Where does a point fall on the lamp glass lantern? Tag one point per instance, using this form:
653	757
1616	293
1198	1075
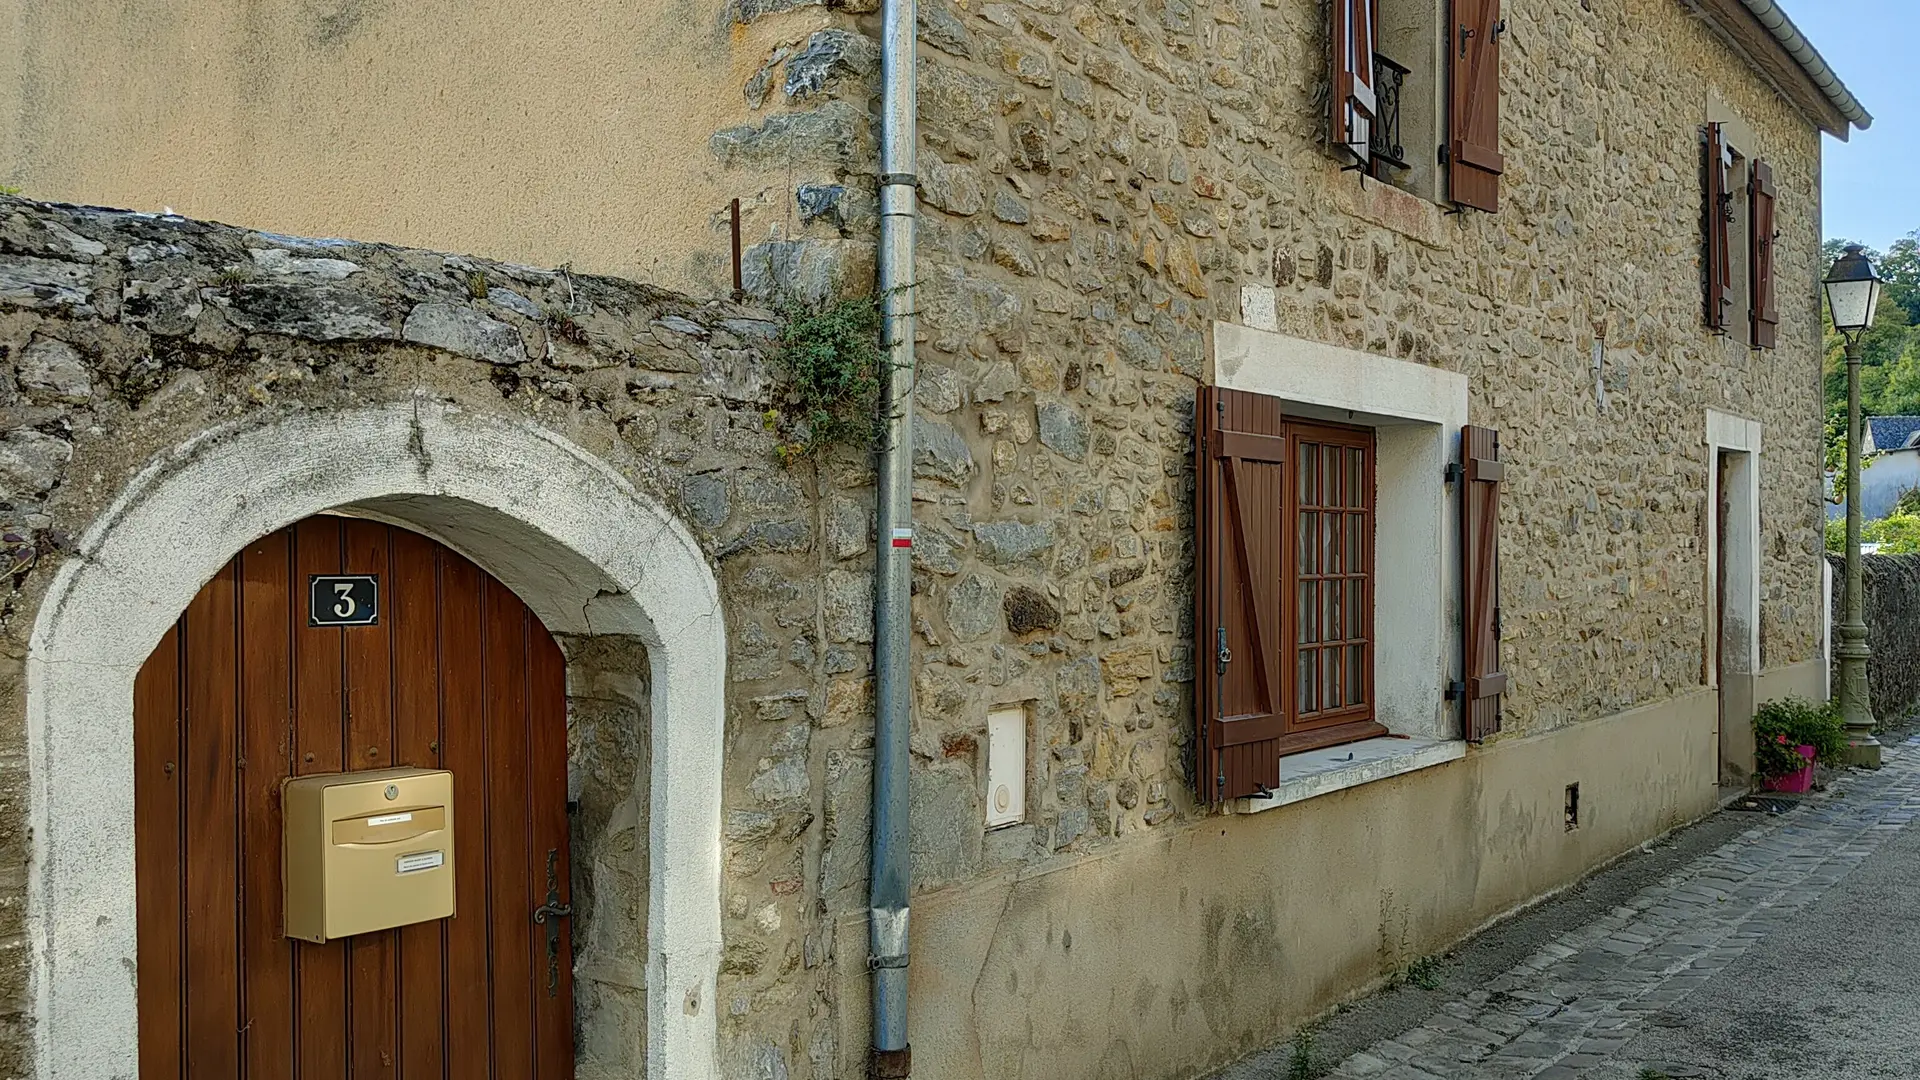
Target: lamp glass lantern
1853	292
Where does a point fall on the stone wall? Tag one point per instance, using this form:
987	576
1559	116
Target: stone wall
1100	181
1890	591
123	336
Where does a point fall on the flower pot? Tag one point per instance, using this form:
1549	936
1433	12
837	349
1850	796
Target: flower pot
1797	782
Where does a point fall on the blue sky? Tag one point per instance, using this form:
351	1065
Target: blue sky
1872	182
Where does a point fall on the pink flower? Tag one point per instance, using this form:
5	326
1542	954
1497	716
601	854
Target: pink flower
1781	739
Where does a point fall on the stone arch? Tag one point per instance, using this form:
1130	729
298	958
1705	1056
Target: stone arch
587	552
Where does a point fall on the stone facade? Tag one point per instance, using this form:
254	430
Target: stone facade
1100	182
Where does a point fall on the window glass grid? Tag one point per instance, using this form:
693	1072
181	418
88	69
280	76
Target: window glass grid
1332	580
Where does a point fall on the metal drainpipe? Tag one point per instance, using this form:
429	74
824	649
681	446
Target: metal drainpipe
893	555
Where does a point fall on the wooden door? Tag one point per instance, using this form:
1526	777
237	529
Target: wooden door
455	673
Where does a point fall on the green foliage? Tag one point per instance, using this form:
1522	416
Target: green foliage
477	284
229	278
1890	349
1783	725
1303	1063
1897	534
1425	973
1651	1073
831	357
9	189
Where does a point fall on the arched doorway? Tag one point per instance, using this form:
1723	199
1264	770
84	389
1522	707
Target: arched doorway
590	555
437	666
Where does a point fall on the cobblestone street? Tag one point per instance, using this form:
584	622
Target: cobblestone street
1770	948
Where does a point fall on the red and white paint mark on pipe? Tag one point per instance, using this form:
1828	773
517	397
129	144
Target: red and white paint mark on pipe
903	538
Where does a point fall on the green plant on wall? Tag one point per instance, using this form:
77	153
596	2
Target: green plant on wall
830	360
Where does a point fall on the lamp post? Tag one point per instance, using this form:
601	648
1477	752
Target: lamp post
1853	292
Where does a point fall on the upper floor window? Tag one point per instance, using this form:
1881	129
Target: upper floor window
1416	95
1738	205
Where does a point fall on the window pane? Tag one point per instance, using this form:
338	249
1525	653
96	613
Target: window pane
1304	546
1356	673
1330	464
1304	680
1303	613
1329	561
1329	685
1354	474
1356	606
1330	611
1356	532
1309	470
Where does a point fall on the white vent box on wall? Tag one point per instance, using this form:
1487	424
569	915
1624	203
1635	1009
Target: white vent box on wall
1006	766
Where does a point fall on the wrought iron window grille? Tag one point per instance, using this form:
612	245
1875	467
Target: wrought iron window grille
1388	78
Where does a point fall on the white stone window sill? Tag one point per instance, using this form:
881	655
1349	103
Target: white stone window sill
1337	768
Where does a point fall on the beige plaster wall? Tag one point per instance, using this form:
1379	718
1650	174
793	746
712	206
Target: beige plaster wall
542	134
1158	959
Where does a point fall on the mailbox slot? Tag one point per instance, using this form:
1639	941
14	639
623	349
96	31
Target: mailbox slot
366	851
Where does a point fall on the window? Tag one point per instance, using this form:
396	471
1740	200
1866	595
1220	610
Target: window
1330	568
1285	571
1738	202
1415	95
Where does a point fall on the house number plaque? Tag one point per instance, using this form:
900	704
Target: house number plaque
344	600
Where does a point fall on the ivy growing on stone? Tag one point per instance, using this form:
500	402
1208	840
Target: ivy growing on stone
830	359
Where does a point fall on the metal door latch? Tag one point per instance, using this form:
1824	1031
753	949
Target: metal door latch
549	915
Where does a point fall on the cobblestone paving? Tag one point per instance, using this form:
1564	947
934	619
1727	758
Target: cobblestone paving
1569	1008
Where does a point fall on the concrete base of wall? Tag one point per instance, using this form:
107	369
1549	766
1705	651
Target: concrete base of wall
1181	952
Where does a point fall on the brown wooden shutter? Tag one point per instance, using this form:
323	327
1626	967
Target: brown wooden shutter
1482	471
1240	482
1719	218
1354	104
1474	163
1760	234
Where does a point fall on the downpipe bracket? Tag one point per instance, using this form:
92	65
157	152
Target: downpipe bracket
891	1064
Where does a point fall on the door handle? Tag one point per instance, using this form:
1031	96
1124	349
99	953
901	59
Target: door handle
549	915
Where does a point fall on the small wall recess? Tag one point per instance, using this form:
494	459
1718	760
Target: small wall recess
1006	766
1573	806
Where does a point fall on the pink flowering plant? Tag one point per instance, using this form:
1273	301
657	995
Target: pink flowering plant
1782	726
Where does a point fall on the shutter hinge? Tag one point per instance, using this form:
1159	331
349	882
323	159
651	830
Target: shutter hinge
1497	635
1444	156
1456	690
1454	472
1222	655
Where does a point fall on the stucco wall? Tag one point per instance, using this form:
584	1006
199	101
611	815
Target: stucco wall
1156	960
544	135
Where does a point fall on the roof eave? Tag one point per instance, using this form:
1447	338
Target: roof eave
1762	34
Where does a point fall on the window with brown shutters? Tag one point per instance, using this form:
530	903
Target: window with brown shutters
1474	162
1718	213
1283	590
1764	317
1484	681
1355	101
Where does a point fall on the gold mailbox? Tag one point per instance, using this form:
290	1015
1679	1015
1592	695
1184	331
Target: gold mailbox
366	851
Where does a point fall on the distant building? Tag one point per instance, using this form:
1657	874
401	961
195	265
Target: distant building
1890	467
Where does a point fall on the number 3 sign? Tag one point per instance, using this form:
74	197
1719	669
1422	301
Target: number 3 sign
343	600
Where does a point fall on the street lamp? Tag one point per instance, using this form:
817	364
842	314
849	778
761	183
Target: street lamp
1853	292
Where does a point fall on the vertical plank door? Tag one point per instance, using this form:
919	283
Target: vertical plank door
243	693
